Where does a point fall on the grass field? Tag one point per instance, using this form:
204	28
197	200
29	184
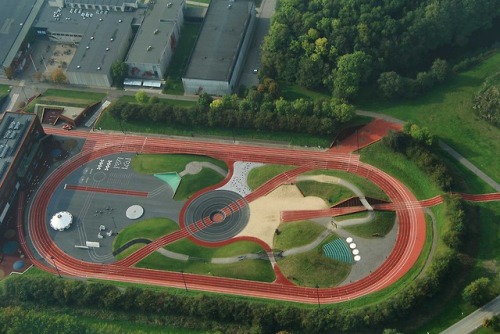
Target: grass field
162	163
367	187
170	102
190	184
296	234
180	58
402	169
258	270
313	269
69	98
331	193
149	228
379	227
260	175
447	112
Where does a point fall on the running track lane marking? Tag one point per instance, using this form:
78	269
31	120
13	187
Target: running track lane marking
107	190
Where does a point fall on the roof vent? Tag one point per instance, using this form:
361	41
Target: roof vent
92	37
149	48
98	68
107	49
87	47
169	5
111	39
120	21
100	19
156	31
78	66
229	6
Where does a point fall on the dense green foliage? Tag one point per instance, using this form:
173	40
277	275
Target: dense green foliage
478	292
259	110
413	146
338	45
487	101
119	71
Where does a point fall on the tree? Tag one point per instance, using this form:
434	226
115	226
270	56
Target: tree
478	292
119	72
58	76
9	72
352	70
391	85
141	97
487	101
421	135
205	100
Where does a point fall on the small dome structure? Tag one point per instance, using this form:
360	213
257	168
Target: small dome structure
61	221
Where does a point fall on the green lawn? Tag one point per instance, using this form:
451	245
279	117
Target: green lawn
4	90
402	169
331	193
447	112
152	229
259	270
382	224
367	187
64	97
162	163
296	234
293	92
260	175
180	58
313	268
191	184
170	102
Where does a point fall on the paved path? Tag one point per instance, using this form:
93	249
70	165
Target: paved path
475	320
444	146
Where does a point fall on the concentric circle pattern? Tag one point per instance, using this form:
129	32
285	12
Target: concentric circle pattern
216	216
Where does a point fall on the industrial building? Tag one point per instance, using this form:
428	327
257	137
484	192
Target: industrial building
23	147
156	39
217	59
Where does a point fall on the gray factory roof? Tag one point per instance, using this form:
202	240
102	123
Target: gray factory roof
13	128
15	20
154	34
101	44
216	50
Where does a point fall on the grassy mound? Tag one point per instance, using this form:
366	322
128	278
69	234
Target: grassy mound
296	234
260	175
379	227
313	268
331	193
149	228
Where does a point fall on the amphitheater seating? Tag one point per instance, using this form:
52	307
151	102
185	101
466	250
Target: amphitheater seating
338	250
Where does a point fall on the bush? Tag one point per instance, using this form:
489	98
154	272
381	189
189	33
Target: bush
478	292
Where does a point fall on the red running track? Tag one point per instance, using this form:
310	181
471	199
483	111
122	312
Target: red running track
107	190
409	241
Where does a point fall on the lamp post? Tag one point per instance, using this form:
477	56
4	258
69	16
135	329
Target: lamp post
317	294
184	280
57	269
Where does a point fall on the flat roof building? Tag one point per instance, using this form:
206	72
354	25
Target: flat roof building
101	38
15	22
221	48
156	39
22	152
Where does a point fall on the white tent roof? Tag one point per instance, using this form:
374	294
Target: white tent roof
61	221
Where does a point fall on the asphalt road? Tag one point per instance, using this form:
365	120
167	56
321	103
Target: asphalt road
475	320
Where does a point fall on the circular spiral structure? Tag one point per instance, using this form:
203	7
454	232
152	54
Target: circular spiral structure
217	216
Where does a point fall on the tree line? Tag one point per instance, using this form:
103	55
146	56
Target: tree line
259	110
340	45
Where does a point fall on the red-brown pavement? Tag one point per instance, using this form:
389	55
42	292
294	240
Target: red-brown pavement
409	243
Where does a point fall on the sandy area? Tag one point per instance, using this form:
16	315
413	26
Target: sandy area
265	211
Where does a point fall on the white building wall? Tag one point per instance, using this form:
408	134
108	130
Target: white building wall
89	79
212	87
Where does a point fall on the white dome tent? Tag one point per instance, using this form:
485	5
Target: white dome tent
61	221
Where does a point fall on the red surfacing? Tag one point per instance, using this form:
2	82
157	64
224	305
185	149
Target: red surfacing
409	243
107	190
368	134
